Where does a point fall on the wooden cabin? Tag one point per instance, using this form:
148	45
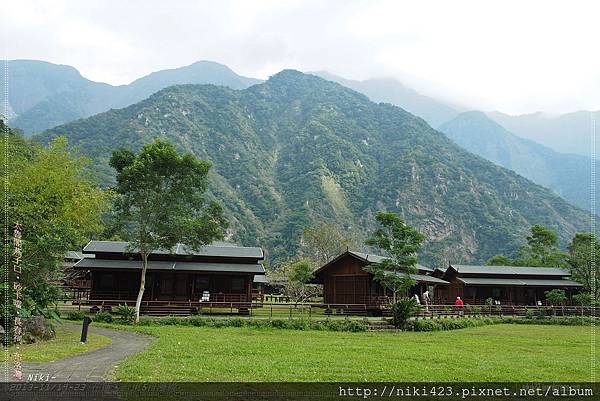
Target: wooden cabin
346	282
508	285
216	275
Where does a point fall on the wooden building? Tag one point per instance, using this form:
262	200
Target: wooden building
346	282
218	274
505	284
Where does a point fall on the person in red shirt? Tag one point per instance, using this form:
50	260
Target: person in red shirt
459	305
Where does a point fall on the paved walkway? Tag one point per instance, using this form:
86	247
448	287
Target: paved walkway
94	366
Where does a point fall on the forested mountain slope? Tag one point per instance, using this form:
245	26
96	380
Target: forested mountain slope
298	149
568	175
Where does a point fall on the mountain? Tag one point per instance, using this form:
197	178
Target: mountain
565	133
42	95
388	90
568	175
298	149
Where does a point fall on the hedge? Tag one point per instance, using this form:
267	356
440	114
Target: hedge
292	324
465	322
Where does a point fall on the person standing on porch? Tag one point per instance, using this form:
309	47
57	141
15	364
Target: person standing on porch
426	300
459	305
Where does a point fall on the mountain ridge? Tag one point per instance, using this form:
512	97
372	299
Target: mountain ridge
297	150
43	94
569	175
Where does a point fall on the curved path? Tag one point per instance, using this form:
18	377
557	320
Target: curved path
95	366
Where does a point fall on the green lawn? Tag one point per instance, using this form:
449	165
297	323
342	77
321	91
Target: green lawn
490	353
65	344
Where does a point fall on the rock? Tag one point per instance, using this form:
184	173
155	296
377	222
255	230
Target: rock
37	328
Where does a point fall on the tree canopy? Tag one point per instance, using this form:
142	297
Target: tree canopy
161	201
400	243
541	250
59	208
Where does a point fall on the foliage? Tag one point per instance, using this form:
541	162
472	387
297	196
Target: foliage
126	313
323	242
583	299
103	317
466	322
499	260
541	251
297	150
400	243
290	324
296	277
161	201
402	311
59	208
75	315
555	296
583	267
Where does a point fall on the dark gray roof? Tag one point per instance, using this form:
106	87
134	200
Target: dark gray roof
519	282
218	249
511	270
166	265
77	255
378	259
422	278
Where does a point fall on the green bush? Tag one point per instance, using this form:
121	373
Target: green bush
402	311
75	315
462	323
290	324
583	299
125	313
103	317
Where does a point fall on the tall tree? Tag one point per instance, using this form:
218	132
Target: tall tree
541	250
582	250
161	202
296	277
324	242
400	243
59	208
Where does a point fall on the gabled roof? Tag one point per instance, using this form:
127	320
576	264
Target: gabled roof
367	258
378	259
510	270
217	249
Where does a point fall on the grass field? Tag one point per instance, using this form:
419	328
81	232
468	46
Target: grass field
65	344
490	353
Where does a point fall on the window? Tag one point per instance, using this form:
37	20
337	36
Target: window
107	282
238	284
201	284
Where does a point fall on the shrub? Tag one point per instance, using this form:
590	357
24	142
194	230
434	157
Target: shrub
555	296
403	310
125	313
583	299
453	324
489	301
75	315
103	317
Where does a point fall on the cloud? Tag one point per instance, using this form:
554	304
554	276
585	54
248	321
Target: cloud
509	55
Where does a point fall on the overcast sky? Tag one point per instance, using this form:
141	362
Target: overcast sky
517	57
